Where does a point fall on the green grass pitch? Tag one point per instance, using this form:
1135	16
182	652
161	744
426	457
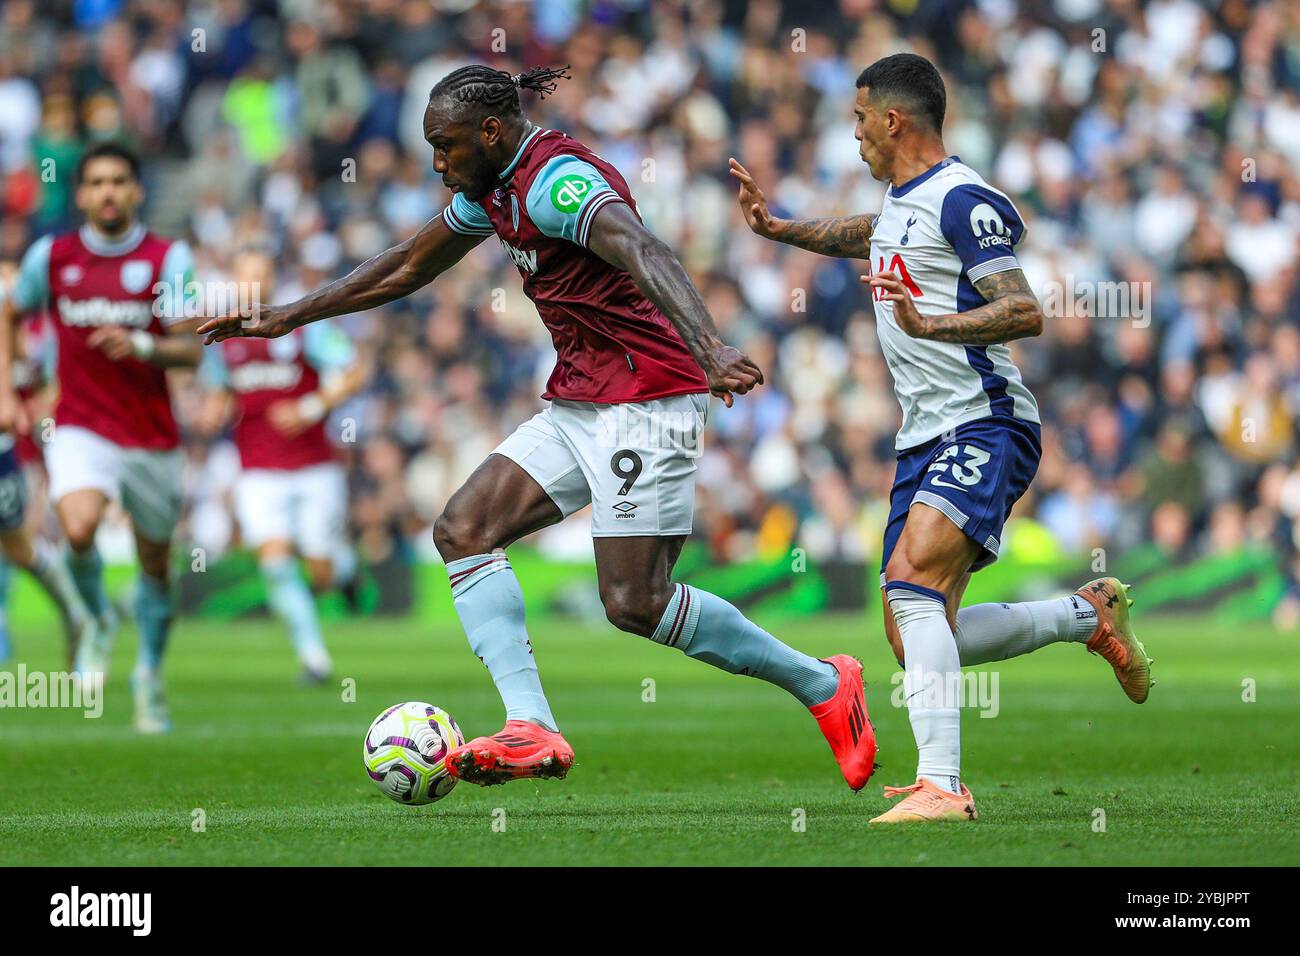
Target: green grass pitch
715	770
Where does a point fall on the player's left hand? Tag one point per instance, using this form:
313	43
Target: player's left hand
731	372
905	314
287	417
113	340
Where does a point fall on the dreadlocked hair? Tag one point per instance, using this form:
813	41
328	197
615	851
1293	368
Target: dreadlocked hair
496	91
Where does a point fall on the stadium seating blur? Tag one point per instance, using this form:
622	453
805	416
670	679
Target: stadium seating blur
1148	144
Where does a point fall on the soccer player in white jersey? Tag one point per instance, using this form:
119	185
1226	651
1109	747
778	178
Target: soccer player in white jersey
949	294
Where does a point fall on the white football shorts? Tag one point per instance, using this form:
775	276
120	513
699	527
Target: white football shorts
306	506
633	463
146	482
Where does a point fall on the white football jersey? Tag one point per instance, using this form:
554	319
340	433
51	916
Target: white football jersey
940	233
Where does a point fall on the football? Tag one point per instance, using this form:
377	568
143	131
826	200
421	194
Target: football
405	752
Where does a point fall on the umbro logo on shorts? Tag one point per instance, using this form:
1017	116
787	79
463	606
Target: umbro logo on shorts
625	509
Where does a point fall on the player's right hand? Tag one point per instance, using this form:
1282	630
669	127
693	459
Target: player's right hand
753	203
731	372
252	321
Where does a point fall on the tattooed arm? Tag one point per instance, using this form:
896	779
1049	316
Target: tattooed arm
846	237
1012	311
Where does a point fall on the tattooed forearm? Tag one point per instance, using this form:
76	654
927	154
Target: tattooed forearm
848	237
1012	312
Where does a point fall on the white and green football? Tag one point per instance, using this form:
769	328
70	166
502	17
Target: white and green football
406	749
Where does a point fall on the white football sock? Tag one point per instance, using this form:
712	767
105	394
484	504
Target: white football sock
932	681
995	632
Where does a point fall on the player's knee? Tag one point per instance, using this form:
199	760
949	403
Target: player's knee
154	563
633	607
913	568
79	531
320	575
458	535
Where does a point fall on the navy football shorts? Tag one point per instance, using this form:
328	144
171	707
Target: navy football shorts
973	474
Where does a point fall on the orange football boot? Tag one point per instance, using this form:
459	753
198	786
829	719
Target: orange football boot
927	803
845	724
1114	639
518	750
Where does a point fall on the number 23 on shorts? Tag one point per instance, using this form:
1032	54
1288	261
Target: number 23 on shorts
963	474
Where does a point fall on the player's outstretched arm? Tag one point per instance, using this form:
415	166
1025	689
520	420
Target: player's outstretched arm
1012	311
618	237
392	274
845	237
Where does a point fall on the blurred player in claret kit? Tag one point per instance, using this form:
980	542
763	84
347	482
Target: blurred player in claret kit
291	497
116	295
23	546
949	294
638	356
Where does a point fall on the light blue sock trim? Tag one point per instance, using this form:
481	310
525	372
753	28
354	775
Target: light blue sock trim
290	598
153	617
491	609
707	628
88	572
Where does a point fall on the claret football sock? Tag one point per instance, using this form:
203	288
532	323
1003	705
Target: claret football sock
290	598
153	618
931	681
88	571
491	608
995	632
707	628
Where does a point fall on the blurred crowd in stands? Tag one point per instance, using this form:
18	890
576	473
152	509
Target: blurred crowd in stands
1151	148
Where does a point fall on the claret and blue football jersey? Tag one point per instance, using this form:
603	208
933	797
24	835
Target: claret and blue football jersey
612	344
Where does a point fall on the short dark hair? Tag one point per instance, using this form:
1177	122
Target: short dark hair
495	91
911	79
112	150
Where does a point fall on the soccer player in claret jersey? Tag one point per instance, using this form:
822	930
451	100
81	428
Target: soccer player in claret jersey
949	294
117	295
638	356
291	497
